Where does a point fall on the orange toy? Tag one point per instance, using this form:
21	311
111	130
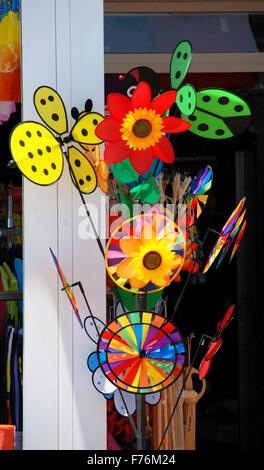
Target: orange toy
7	436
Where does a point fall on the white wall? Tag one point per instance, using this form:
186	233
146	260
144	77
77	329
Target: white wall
62	46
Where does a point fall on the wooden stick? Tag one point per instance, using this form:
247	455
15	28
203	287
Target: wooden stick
172	391
165	418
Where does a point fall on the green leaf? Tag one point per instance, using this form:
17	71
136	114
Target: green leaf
148	191
219	114
124	172
186	99
180	63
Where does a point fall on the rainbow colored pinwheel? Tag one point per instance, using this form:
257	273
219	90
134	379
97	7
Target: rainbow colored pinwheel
225	234
138	352
66	287
238	240
197	198
145	253
232	238
215	343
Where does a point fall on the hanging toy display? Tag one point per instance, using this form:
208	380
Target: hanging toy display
139	353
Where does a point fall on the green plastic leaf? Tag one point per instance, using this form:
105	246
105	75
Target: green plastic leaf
128	299
124	199
148	191
186	99
219	114
180	63
124	172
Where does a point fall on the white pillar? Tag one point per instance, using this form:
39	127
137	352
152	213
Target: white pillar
62	46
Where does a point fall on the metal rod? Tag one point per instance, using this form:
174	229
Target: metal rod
141	304
99	243
180	298
131	421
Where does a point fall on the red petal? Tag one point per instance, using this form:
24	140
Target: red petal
179	125
141	160
161	103
116	152
163	150
118	105
109	130
141	97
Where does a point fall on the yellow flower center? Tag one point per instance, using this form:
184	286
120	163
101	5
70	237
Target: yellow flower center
152	260
141	128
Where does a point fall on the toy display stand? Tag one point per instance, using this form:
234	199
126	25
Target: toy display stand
181	434
191	397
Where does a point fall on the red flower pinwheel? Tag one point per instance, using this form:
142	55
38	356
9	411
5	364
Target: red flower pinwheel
135	128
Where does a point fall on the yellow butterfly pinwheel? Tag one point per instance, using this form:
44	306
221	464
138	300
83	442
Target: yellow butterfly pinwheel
39	153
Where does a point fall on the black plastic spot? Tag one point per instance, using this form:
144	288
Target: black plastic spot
84	132
45	171
206	98
189	106
203	127
239	108
51	98
223	100
48	148
42	101
39	134
189	94
28	133
77	163
192	117
88	178
33	168
53	166
181	98
95	122
178	74
178	55
22	143
81	182
219	132
185	56
39	151
55	117
30	154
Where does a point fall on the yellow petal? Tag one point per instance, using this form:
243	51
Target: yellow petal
160	281
170	239
130	245
125	269
136	283
177	261
147	232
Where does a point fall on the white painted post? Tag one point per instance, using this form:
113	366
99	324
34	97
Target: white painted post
62	46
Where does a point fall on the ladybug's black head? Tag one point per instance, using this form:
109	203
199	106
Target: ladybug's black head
88	108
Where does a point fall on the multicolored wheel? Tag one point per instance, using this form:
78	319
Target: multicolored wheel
141	352
145	253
